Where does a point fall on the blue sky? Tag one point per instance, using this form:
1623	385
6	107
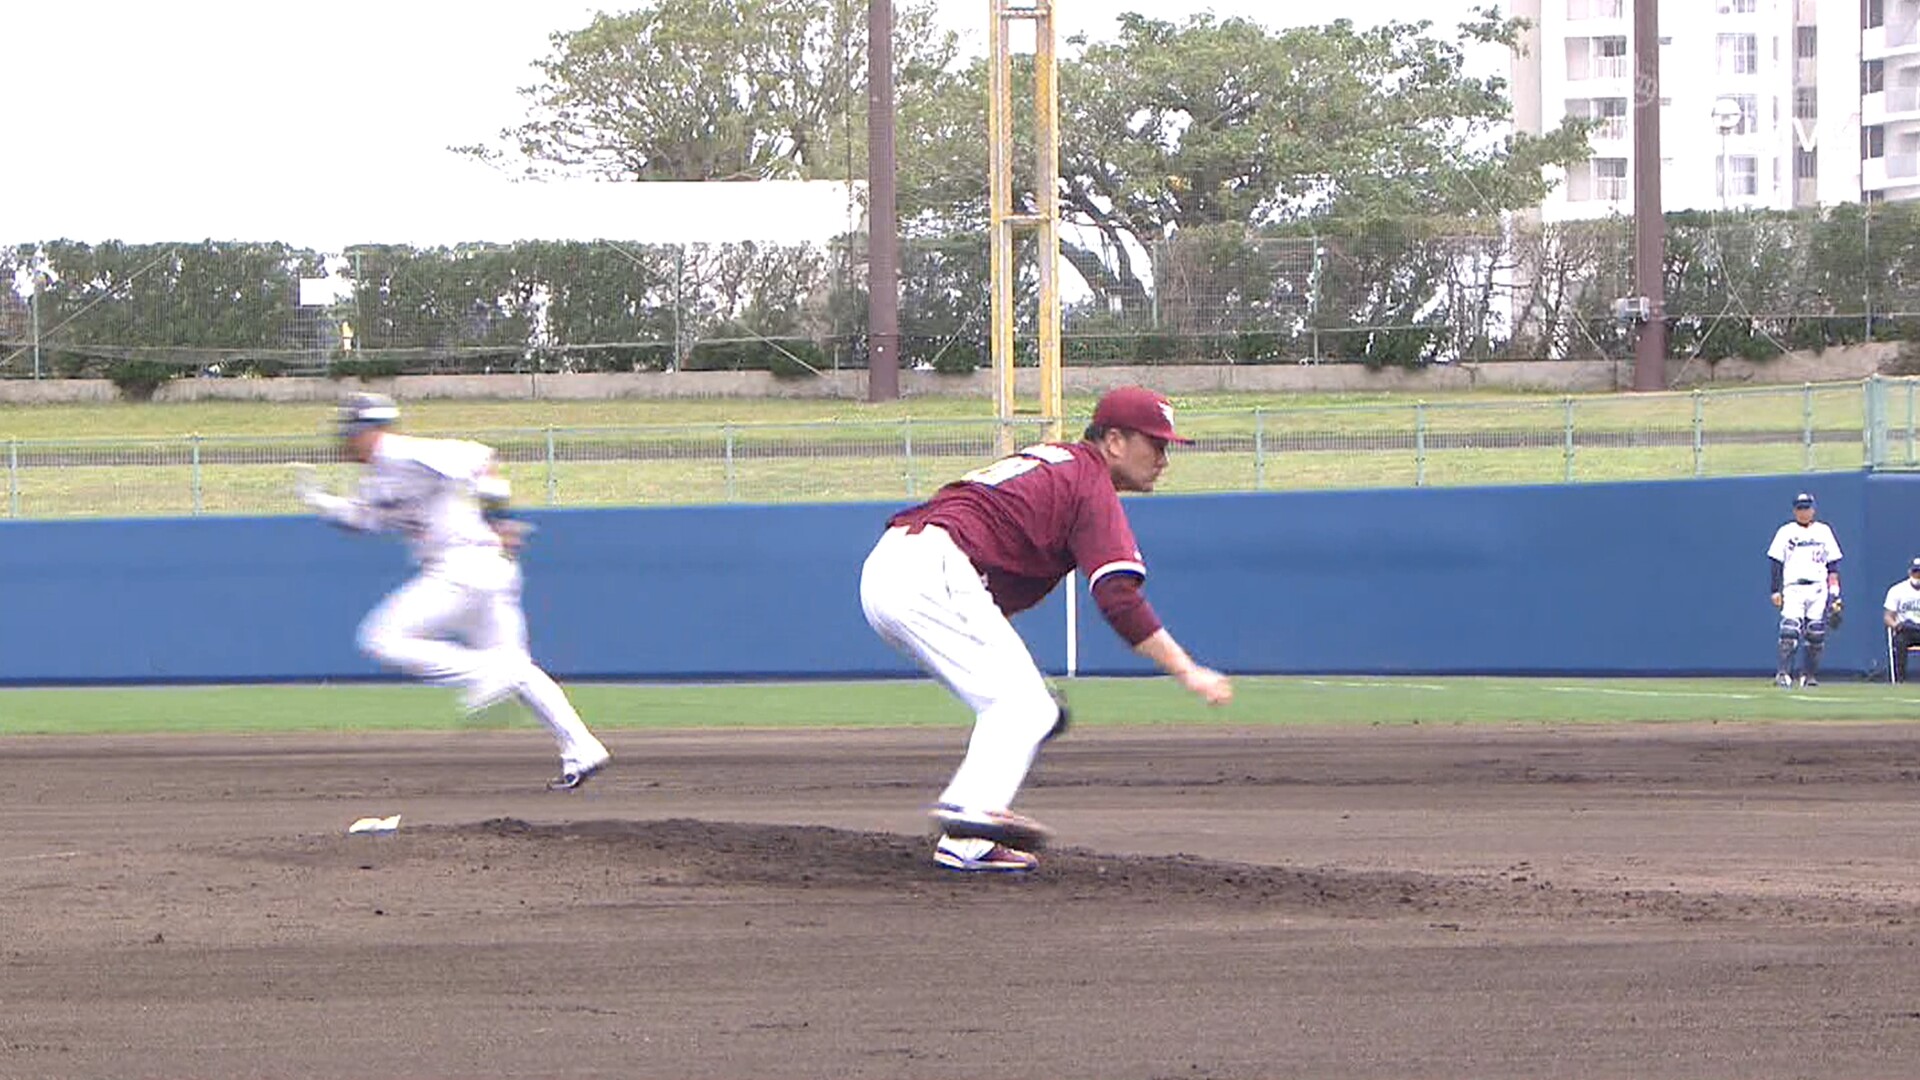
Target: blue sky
270	119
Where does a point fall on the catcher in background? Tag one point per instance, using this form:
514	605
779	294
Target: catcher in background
1805	562
459	621
1901	613
946	574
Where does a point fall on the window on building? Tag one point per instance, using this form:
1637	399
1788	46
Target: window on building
1873	141
1873	77
1806	103
1806	163
1874	196
1806	42
1612	116
1610	56
1749	115
1739	54
1872	13
1740	175
1610	179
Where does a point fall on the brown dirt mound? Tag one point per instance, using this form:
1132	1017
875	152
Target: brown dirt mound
1651	901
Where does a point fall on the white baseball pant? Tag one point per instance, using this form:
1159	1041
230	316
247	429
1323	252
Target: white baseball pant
924	597
459	623
1808	603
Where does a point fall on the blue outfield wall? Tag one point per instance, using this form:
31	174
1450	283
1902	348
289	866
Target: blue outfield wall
1641	578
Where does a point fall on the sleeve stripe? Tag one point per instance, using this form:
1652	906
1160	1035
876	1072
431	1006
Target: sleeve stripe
1118	567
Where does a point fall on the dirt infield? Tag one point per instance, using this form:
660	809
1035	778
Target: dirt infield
1645	900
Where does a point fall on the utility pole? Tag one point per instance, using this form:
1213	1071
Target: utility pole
33	316
1649	216
883	223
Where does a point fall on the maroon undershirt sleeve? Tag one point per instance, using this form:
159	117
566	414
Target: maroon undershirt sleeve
1125	607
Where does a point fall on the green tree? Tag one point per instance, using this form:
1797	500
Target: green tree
715	90
1173	127
1201	128
207	295
466	307
608	306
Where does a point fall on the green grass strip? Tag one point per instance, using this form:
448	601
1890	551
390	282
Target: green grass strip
1305	701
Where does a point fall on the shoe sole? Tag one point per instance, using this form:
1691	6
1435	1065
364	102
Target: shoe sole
574	780
1013	830
971	866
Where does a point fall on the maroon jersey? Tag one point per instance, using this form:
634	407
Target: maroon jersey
1027	519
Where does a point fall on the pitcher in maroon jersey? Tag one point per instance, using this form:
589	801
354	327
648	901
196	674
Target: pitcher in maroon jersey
945	576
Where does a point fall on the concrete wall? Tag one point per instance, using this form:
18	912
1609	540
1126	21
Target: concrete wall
1549	376
1660	578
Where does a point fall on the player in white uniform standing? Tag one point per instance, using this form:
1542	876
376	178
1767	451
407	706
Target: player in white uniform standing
459	621
1805	557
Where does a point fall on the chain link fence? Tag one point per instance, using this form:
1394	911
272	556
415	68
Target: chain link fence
1760	431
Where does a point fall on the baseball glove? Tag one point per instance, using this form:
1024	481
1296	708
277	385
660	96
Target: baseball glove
1834	610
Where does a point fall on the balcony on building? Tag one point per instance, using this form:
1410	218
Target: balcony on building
1601	57
1898	105
1895	171
1892	30
1608	115
1900	102
1596	10
1601	180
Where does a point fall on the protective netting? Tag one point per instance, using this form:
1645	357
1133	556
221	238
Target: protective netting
1382	292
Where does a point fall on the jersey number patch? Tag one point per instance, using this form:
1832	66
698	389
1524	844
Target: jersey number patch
1019	464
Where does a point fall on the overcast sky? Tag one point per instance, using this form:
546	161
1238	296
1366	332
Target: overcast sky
143	120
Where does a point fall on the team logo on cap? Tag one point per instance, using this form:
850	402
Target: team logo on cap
1166	410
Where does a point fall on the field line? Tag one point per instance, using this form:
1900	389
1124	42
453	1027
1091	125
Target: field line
1375	684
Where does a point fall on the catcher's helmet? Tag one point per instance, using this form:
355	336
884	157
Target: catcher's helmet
358	412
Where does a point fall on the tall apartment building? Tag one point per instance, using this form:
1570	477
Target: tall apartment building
1890	99
1762	101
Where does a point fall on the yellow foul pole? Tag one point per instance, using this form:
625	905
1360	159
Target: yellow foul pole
1040	215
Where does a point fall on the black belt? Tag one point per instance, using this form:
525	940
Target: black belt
1803	581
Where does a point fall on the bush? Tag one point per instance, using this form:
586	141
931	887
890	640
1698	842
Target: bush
1407	347
138	379
1265	347
962	357
255	367
1089	349
364	369
656	356
1155	348
736	348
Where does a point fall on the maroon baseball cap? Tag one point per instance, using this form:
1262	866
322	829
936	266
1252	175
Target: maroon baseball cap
1137	408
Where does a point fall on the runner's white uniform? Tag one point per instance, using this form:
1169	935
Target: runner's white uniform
459	621
1803	552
